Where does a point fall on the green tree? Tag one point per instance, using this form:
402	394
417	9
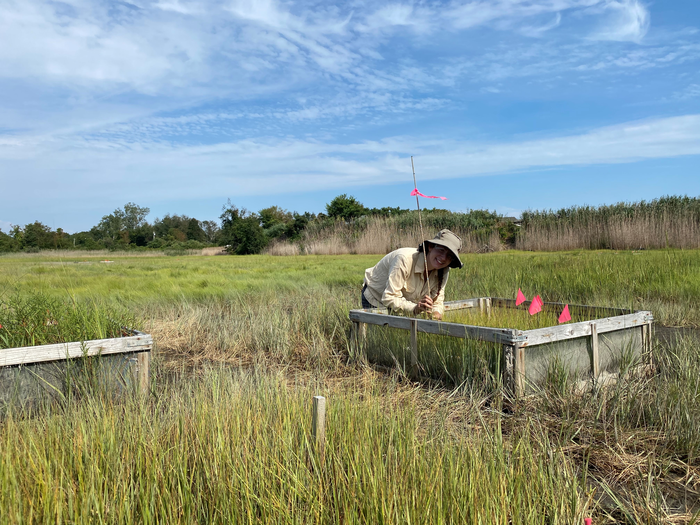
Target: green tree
345	207
298	225
110	226
274	215
86	240
241	231
8	243
39	236
211	231
121	226
171	227
195	231
134	216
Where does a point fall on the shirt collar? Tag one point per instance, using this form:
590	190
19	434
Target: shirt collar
420	263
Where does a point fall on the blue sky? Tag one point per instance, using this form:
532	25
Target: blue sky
178	105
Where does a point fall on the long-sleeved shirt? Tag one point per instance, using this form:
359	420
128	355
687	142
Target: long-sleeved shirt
398	282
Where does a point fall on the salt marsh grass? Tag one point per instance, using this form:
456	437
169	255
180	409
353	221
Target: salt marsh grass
516	318
232	446
38	319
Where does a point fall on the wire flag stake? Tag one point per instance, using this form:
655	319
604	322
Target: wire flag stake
420	222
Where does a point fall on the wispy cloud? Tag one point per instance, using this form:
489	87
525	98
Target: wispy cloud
625	20
274	166
152	47
689	92
186	98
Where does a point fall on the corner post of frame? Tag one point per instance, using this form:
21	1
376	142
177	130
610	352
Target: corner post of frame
514	369
595	354
358	337
647	357
414	347
144	365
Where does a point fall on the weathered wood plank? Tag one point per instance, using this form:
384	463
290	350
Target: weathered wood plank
583	329
509	368
414	346
61	351
519	370
465	303
575	309
594	351
144	362
429	326
318	427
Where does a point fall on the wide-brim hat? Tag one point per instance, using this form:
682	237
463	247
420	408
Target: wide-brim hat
450	241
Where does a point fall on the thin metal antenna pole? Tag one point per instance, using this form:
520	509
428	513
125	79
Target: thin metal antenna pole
420	222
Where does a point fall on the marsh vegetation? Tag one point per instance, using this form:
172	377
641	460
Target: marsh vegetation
243	343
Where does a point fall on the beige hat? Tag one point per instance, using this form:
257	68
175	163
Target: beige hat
452	242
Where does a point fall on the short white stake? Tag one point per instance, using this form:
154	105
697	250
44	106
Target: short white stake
318	426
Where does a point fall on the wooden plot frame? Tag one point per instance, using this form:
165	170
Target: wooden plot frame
138	344
517	344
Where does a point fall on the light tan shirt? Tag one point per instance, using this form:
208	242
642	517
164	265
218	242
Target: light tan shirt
398	282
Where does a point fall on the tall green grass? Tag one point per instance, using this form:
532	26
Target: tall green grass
664	281
39	319
228	448
516	318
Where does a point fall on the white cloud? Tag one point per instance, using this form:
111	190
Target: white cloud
192	48
539	31
162	171
624	20
5	226
690	92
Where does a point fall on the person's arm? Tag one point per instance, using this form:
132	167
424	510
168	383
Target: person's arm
393	297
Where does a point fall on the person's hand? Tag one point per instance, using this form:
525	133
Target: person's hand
437	316
425	305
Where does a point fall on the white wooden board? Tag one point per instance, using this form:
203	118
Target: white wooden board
39	354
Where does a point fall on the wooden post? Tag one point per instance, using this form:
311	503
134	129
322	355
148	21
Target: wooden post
488	307
414	347
646	344
482	305
519	370
509	368
144	361
358	337
318	427
595	357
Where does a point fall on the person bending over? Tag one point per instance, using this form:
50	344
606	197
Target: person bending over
398	281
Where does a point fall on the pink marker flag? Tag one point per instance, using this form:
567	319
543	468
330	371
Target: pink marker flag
520	299
536	305
565	315
416	192
588	521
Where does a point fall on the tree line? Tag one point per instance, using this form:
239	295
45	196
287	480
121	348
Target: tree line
239	230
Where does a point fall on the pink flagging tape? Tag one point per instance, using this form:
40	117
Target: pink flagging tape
536	305
565	315
520	299
416	192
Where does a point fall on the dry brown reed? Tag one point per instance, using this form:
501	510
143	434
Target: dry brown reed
617	233
282	248
380	235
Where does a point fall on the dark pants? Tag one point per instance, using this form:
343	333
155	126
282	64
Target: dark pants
365	302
